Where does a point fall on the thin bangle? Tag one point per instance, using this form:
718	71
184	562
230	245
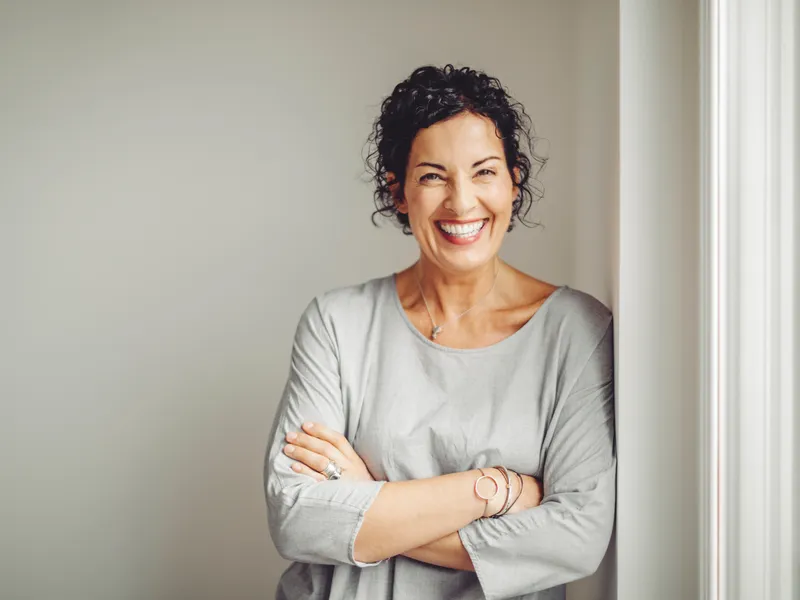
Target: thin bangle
503	470
521	487
508	502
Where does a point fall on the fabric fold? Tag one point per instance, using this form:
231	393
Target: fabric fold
566	536
313	521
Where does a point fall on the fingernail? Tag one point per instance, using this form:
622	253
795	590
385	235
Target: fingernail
291	436
308	425
296	466
289	449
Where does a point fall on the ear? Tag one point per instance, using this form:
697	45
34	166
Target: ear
397	192
515	179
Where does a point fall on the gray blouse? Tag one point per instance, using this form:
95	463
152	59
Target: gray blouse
540	402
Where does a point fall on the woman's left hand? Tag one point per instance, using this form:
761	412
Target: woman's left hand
316	445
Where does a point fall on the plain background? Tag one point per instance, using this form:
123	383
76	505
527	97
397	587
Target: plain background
176	182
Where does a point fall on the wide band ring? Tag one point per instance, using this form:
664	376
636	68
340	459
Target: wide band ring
332	470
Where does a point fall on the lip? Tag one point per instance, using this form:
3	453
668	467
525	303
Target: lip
457	222
461	241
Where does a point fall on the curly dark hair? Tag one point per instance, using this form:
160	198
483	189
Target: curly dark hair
432	94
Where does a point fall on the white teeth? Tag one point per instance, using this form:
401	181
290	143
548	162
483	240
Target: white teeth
462	230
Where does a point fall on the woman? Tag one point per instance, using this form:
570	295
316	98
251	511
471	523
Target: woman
446	431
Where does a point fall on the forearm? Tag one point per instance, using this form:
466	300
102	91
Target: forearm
450	552
446	552
408	514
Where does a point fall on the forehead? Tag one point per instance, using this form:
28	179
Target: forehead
464	138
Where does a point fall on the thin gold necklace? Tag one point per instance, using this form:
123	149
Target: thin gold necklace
437	329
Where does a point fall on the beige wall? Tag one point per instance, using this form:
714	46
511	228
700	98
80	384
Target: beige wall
176	181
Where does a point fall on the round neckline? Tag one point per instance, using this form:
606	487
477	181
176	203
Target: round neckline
392	281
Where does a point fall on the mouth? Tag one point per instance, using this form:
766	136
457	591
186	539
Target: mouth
461	232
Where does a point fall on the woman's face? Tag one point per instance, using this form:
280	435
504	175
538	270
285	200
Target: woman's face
458	192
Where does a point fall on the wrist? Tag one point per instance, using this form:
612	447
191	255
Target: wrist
496	504
487	491
492	490
512	490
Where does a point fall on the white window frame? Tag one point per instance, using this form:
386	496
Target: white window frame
749	303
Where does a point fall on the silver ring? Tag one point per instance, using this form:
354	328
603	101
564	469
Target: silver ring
332	470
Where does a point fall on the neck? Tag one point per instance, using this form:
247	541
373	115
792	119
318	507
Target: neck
449	294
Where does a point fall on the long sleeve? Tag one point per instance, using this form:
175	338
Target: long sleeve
312	521
566	537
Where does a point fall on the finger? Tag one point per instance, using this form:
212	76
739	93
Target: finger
309	442
336	439
308	458
304	470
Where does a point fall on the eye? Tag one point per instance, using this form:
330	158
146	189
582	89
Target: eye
429	175
483	172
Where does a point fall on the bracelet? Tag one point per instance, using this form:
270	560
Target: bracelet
507	503
478	494
521	486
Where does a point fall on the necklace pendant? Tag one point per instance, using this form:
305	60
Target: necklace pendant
437	329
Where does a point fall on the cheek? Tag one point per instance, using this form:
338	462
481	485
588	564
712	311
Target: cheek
424	203
500	203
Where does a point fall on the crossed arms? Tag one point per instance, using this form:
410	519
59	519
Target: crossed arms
436	520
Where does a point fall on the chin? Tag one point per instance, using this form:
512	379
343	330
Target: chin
465	262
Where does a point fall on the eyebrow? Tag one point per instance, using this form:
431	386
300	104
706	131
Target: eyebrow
441	168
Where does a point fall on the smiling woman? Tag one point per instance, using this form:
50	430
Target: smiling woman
457	202
446	431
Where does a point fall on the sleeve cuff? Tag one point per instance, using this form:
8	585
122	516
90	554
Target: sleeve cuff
318	522
359	522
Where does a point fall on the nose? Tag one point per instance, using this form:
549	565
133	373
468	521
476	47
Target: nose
461	199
